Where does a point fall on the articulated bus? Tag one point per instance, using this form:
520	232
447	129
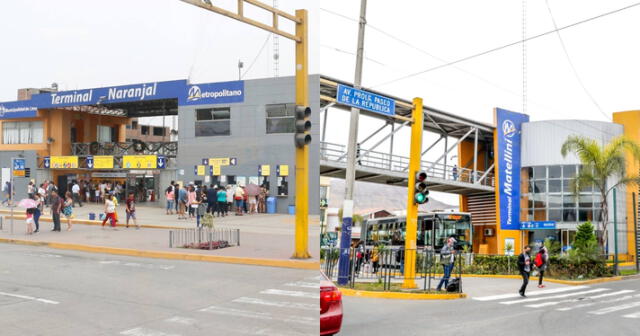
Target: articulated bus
433	230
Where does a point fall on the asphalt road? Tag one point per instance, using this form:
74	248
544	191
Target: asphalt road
604	309
53	292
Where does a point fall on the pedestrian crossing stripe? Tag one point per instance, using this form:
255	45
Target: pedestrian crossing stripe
608	310
299	294
624	298
634	315
555	296
553	303
535	293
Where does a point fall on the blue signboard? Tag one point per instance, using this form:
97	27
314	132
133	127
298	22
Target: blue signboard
212	93
18	164
365	100
18	109
509	127
89	162
538	225
162	162
113	94
46	162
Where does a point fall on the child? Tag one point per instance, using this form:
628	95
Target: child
109	210
30	213
131	210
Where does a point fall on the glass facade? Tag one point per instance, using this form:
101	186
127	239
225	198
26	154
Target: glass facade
550	197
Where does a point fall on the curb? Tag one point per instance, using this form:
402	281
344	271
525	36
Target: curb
552	280
169	255
95	222
400	295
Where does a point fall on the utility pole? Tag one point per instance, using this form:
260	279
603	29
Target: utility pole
347	206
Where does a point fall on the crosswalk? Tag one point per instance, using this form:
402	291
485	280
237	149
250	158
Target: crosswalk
595	301
288	309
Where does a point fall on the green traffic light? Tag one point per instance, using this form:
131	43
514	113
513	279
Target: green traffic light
420	198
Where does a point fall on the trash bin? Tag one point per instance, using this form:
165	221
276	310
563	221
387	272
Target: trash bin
92	216
271	205
292	209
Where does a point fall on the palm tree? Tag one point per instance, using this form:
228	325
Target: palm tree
599	163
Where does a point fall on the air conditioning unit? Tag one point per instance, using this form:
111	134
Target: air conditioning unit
488	232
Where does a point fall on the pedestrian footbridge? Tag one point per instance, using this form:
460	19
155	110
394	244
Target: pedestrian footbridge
378	167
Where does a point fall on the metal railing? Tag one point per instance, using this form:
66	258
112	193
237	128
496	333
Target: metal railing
168	149
396	163
204	238
386	267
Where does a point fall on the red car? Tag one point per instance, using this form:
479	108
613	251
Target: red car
330	307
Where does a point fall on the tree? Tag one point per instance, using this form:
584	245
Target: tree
599	163
584	235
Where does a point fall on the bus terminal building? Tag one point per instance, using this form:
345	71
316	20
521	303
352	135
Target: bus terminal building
514	185
228	133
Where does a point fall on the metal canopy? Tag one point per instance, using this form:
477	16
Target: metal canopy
436	120
137	109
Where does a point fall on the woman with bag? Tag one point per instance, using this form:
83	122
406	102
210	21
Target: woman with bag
447	255
542	263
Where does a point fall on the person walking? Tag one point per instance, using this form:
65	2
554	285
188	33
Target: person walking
31	189
191	198
212	200
170	196
524	266
75	189
230	195
239	197
447	258
56	207
37	212
6	190
67	209
454	172
542	263
222	202
182	200
130	209
109	212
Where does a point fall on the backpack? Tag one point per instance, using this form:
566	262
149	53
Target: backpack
538	261
454	285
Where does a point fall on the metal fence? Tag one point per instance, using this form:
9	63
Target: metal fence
386	267
204	238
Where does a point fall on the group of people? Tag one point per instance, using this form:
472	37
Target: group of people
58	206
526	266
192	201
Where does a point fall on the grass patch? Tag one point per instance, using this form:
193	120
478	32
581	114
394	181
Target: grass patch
395	287
628	272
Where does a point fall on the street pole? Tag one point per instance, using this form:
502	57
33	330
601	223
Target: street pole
415	156
347	206
615	234
635	230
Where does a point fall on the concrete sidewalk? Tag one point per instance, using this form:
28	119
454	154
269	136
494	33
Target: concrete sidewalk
261	236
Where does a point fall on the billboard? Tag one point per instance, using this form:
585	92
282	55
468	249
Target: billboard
63	162
212	93
139	161
509	134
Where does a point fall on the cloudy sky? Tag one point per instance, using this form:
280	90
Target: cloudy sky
81	44
405	37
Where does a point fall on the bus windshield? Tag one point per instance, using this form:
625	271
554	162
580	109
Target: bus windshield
457	226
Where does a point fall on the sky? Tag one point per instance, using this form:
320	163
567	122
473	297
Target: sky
430	33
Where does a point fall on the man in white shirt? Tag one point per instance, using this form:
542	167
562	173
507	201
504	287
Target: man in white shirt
75	191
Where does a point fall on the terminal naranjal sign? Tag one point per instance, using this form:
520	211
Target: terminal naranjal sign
509	126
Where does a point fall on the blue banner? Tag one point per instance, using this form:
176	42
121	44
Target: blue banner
509	131
113	94
212	93
538	225
365	100
18	109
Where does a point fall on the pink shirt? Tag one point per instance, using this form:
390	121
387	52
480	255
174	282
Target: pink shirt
191	197
170	196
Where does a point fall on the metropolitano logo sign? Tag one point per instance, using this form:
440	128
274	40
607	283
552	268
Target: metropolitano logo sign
216	93
509	138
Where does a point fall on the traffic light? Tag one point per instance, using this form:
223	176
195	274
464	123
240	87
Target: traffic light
303	125
421	194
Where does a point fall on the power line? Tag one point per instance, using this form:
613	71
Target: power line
256	58
353	53
575	72
507	45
